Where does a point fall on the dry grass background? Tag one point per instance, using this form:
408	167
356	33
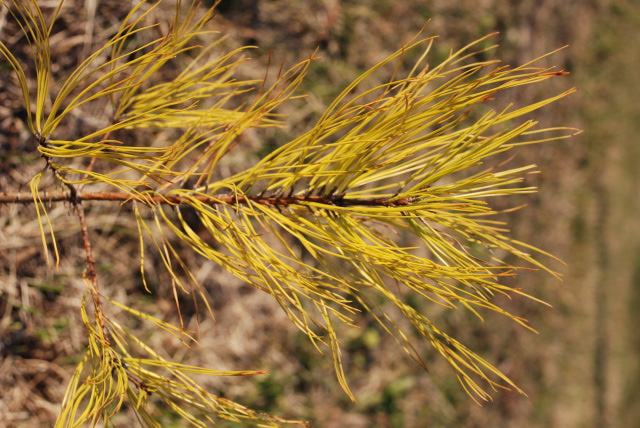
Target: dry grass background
580	371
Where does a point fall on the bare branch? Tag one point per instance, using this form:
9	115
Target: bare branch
227	199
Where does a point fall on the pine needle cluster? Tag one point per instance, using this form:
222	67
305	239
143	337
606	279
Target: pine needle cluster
314	223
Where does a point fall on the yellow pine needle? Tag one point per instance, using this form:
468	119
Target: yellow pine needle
386	160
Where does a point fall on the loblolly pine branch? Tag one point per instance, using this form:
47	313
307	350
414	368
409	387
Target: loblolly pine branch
416	155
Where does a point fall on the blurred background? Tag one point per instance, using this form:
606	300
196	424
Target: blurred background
580	370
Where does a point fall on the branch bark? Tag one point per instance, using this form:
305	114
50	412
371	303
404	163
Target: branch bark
227	199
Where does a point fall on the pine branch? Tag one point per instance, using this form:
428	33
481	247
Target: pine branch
406	155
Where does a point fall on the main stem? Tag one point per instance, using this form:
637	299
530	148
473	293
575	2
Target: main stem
337	200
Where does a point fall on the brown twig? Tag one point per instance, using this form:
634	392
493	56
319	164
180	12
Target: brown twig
72	196
90	273
222	199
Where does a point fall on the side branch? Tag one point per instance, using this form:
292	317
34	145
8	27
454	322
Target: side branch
336	200
90	274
